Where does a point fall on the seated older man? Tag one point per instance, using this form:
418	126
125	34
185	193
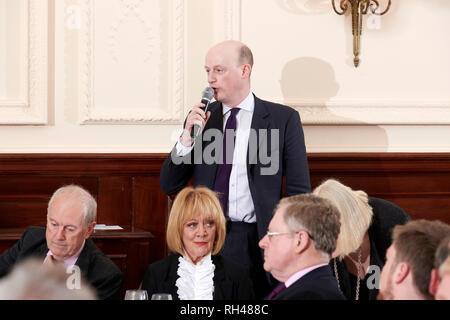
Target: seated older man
298	245
71	216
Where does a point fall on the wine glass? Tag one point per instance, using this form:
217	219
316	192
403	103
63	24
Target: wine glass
136	295
161	296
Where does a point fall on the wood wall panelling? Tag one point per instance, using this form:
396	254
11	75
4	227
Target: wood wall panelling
115	200
151	210
419	183
126	187
24	198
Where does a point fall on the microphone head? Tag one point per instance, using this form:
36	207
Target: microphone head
208	94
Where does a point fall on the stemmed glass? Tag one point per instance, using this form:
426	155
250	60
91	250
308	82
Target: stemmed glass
136	295
161	296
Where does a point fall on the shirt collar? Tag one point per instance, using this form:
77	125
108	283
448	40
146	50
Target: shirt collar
248	104
301	273
73	259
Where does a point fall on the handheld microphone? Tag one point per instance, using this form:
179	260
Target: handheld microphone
207	96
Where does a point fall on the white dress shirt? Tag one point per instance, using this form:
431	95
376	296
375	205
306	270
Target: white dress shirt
240	202
69	262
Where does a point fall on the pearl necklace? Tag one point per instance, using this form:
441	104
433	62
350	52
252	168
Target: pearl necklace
358	277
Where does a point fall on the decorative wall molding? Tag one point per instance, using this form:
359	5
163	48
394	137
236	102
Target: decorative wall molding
371	112
171	112
232	10
340	111
130	8
32	108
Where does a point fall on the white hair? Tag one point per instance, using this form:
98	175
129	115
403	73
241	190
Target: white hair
31	280
78	193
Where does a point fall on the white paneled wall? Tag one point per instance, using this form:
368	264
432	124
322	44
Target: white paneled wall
121	75
23	62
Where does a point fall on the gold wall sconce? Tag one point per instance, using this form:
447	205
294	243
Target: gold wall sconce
358	8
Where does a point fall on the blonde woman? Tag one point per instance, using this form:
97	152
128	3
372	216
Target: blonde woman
195	271
366	226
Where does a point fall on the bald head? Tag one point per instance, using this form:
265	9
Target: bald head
236	50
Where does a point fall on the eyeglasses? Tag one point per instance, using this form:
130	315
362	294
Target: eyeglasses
272	234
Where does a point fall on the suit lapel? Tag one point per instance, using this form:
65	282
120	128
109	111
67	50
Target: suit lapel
222	288
215	122
260	121
168	284
260	114
83	258
41	252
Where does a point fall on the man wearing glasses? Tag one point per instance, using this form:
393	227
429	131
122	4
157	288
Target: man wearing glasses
298	246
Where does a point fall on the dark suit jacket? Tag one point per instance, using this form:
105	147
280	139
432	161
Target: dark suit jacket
231	280
266	190
97	269
319	284
386	215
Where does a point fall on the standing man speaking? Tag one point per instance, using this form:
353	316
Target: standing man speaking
245	148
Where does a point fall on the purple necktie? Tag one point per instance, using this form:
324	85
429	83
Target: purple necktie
280	287
221	185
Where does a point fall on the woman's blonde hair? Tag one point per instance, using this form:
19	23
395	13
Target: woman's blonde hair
356	214
189	203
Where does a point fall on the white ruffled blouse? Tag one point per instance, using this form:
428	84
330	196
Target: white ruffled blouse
195	281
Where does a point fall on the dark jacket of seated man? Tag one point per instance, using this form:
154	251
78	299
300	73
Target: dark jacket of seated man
96	268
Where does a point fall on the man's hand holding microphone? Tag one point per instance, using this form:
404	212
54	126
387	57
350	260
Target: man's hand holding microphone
197	118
